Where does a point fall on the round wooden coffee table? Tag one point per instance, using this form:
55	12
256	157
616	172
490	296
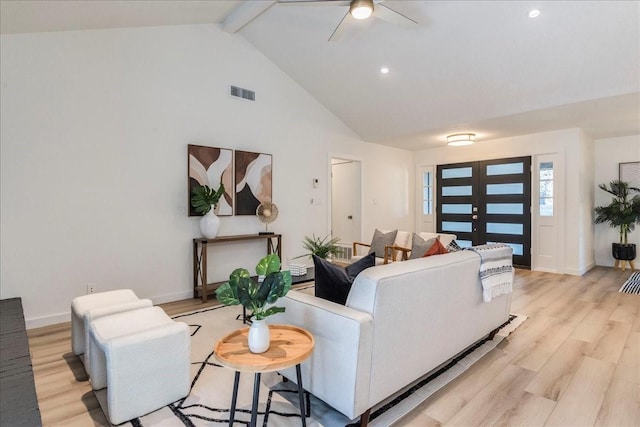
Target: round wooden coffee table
289	346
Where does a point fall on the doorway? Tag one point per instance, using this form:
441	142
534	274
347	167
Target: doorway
346	217
486	202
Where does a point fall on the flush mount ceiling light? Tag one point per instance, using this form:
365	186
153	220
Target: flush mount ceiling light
361	9
384	70
459	139
534	13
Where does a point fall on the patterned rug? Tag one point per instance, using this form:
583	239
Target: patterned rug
632	285
209	400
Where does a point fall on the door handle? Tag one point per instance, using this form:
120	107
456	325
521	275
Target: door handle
474	216
350	217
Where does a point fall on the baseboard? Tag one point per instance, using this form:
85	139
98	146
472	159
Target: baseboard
580	272
54	319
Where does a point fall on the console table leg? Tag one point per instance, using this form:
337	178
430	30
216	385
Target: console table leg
234	399
256	394
303	412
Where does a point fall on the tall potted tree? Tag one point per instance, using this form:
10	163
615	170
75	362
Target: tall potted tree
622	213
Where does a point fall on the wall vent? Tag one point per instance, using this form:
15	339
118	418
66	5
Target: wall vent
239	92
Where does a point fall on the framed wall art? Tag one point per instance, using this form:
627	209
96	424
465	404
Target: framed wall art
211	166
252	181
630	172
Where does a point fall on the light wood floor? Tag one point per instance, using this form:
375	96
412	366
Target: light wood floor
574	362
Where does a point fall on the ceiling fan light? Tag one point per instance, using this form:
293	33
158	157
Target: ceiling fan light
361	9
460	139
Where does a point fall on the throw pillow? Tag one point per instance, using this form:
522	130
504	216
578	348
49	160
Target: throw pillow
380	240
454	246
419	246
436	249
333	282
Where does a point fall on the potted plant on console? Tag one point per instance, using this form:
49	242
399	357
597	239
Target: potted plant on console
257	297
622	213
204	199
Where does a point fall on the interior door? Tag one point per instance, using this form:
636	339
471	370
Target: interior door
345	200
488	202
425	208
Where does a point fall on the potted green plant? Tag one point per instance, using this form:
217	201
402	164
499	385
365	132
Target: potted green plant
320	247
257	297
204	200
622	213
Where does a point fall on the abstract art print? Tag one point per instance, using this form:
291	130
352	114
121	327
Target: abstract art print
253	181
212	166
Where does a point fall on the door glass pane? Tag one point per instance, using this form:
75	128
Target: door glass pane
456	173
456	209
427	207
505	168
513	188
546	170
504	228
546	188
426	179
460	190
546	207
456	226
464	243
505	208
518	249
427	193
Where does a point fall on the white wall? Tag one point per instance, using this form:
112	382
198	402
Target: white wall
94	132
608	154
572	148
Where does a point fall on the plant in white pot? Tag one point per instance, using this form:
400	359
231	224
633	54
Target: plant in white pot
204	200
257	297
622	213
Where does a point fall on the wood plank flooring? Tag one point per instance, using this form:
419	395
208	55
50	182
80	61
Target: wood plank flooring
574	362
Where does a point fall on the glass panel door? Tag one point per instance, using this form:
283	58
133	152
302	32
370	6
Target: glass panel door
487	202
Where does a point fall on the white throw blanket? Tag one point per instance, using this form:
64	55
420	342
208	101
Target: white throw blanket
496	269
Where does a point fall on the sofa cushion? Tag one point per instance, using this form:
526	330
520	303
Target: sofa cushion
380	240
437	249
333	282
420	246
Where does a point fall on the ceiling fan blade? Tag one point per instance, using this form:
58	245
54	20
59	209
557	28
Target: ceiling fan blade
340	29
314	2
385	13
244	14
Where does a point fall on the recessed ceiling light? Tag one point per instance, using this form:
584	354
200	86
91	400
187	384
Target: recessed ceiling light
534	13
384	70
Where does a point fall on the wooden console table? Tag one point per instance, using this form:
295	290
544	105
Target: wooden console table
200	285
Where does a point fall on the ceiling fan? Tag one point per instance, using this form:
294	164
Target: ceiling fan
357	10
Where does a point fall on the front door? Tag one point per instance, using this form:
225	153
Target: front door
487	202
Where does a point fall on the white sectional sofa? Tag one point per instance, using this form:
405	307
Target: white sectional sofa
400	321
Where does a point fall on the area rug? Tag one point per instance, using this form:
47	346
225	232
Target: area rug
632	285
209	400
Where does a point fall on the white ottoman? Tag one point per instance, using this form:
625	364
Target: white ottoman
142	357
99	304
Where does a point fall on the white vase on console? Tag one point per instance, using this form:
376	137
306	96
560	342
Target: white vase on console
209	224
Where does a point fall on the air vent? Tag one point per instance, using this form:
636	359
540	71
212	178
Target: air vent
239	92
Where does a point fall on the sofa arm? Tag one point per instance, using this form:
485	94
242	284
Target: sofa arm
338	370
355	247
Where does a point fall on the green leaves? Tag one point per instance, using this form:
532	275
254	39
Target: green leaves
242	289
624	210
320	247
203	198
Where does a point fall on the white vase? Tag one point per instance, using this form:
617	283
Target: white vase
209	225
259	336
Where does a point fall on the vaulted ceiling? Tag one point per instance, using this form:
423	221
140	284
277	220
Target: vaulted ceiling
478	66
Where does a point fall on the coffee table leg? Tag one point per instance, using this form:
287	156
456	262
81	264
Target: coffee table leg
256	394
303	412
234	399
